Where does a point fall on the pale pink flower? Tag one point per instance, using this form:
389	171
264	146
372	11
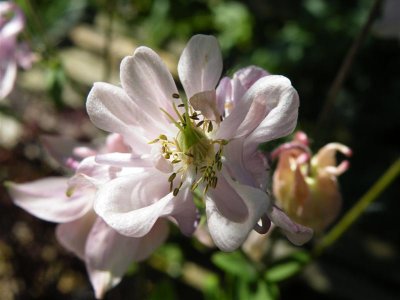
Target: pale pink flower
69	201
306	186
187	143
12	53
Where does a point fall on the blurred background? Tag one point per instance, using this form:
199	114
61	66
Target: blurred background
78	42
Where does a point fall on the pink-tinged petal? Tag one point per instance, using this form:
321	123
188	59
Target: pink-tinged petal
47	199
185	213
63	149
124	160
296	233
8	74
224	96
243	79
132	204
101	173
267	111
115	143
205	102
282	103
228	202
229	235
147	80
325	159
111	109
200	65
16	23
73	235
249	75
250	170
109	254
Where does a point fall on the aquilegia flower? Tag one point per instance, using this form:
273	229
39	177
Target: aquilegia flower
69	201
306	187
12	53
199	141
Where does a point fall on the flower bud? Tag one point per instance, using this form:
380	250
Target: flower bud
306	188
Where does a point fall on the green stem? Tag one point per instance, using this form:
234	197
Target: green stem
345	67
354	213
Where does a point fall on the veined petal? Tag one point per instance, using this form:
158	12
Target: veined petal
147	80
282	103
296	233
132	204
268	110
47	199
111	109
228	201
185	213
109	254
229	235
124	160
200	65
73	235
224	96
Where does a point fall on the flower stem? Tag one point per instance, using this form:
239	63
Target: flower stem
346	65
354	213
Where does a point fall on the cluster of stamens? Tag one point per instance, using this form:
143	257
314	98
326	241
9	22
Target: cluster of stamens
193	150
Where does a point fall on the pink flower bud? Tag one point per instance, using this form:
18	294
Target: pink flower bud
306	188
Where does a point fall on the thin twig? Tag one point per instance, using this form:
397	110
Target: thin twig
346	65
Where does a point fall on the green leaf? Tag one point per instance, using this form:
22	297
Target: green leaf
236	264
287	267
163	291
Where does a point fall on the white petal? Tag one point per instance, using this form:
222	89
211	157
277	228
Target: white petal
296	233
282	103
229	235
146	79
132	204
200	65
47	199
7	76
111	109
124	160
267	111
228	202
108	254
73	235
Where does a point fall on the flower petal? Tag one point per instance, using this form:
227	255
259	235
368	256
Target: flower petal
109	254
111	109
132	204
73	235
228	202
147	80
8	74
61	149
325	159
229	235
296	233
205	102
200	65
224	96
267	111
16	24
47	199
